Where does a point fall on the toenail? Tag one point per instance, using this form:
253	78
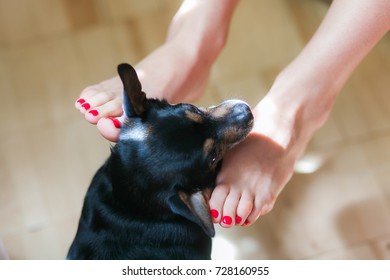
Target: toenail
94	113
227	220
86	106
81	101
246	223
214	213
238	219
116	122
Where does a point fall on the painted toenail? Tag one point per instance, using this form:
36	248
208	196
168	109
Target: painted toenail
238	219
116	122
86	106
214	213
94	113
246	223
227	220
81	101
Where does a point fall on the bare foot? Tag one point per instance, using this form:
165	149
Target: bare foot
101	104
249	181
255	171
176	71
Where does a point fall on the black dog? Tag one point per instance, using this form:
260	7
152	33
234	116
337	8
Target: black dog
150	199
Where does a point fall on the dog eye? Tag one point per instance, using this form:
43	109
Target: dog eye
212	157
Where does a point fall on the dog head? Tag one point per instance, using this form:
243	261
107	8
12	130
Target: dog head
170	154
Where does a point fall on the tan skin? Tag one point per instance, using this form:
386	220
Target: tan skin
298	103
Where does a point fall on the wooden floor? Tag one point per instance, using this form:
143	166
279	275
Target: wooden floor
337	206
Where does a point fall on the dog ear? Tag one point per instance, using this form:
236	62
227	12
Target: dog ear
193	207
134	99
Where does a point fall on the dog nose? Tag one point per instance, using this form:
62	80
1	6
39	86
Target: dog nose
235	112
239	111
242	112
234	121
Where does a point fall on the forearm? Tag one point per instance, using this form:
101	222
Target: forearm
303	94
196	36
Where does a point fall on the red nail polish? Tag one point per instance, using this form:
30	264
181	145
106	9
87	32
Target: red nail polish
246	223
94	113
81	101
116	122
238	219
86	106
227	220
214	213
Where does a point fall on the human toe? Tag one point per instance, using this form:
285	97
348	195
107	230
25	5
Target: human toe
109	128
98	99
87	94
217	201
258	210
244	209
112	108
229	217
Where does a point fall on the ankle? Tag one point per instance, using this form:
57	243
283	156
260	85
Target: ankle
272	127
304	96
291	113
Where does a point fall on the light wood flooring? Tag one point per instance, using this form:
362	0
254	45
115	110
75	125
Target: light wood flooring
336	207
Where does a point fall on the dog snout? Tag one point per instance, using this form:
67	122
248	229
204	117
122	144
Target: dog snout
234	121
241	113
234	112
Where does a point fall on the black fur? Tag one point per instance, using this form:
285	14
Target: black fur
150	198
